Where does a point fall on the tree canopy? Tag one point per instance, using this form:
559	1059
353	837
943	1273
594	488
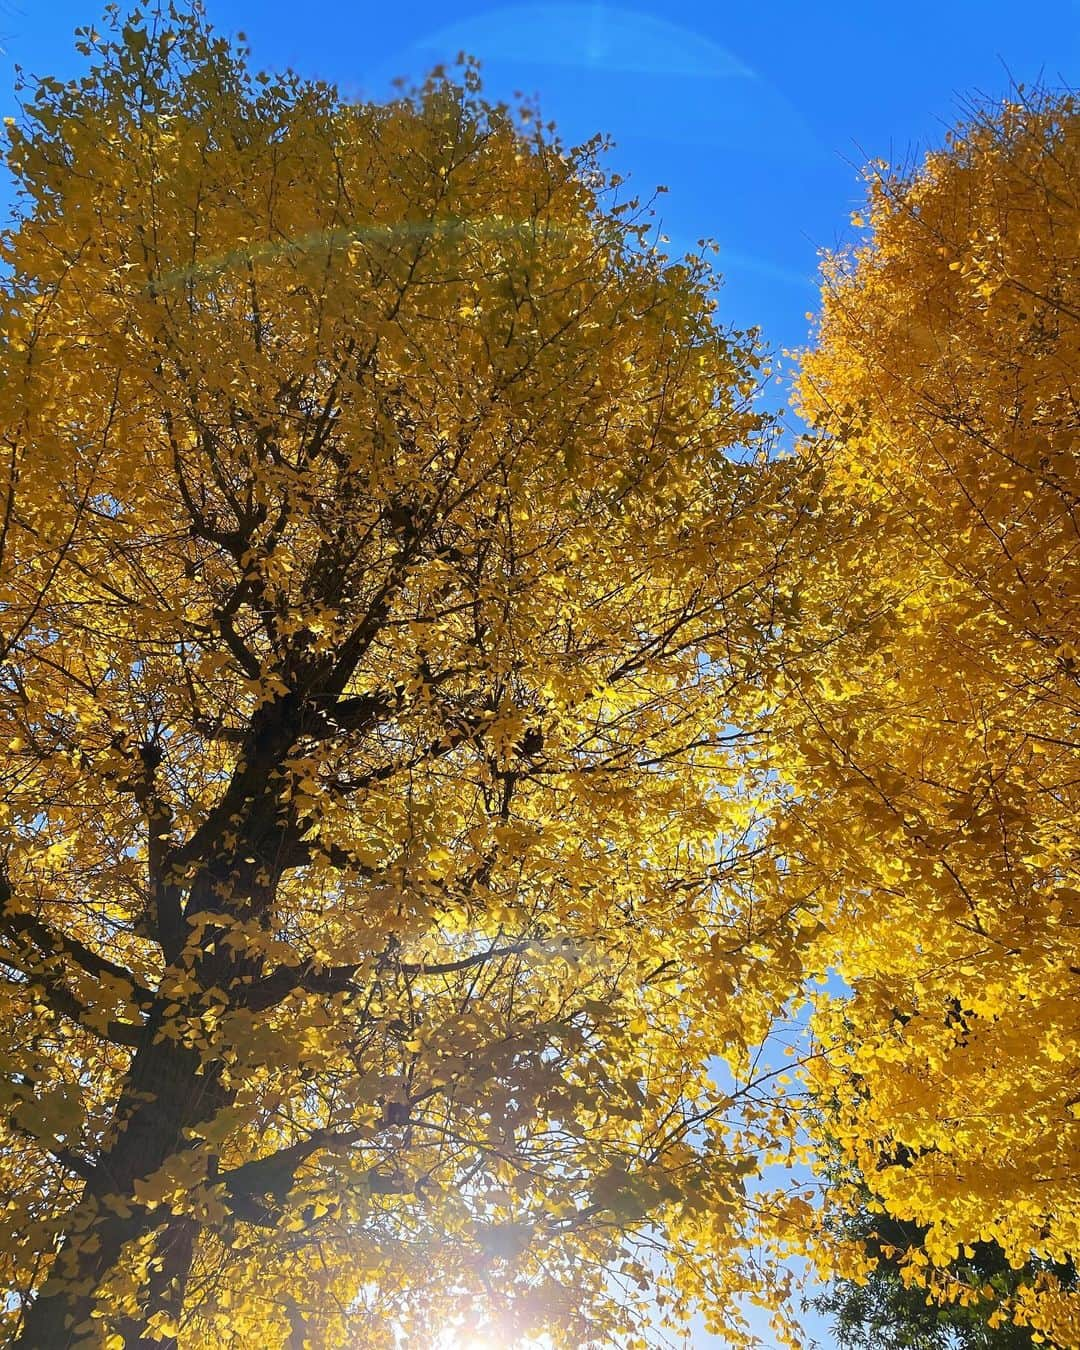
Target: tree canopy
932	701
383	567
885	1311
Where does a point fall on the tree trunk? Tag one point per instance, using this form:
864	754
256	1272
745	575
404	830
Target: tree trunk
175	1248
168	1089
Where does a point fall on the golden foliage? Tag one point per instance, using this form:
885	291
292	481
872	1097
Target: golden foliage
379	604
933	694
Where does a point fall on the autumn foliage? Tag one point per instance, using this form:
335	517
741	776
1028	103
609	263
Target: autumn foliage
377	592
439	742
933	700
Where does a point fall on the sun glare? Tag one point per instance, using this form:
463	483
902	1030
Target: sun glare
470	1340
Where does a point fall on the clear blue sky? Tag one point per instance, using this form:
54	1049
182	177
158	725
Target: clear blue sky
755	116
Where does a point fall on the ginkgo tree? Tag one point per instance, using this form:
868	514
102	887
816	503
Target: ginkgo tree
380	614
930	691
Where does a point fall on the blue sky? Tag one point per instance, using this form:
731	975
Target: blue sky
755	116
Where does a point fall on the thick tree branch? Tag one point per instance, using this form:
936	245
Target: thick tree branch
256	1191
271	989
50	943
64	1002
